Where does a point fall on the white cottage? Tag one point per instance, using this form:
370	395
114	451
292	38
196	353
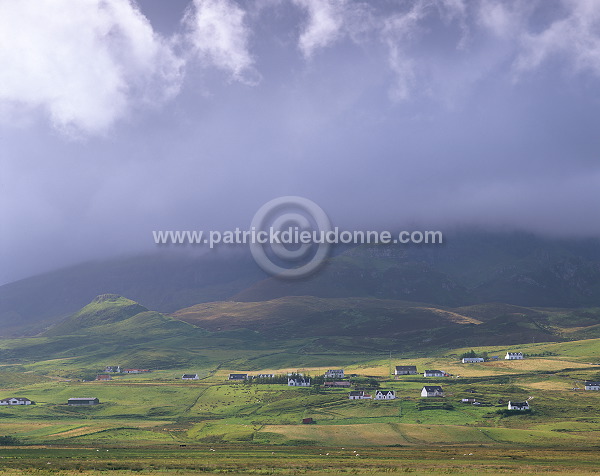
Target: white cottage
432	391
385	395
16	401
298	382
521	406
359	395
472	360
434	373
514	356
334	373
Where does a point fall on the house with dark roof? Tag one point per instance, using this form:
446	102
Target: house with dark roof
405	370
592	385
238	377
435	373
16	401
359	395
520	406
113	369
514	356
385	395
83	401
334	373
432	391
189	377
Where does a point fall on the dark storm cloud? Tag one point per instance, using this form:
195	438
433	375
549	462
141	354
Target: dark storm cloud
432	113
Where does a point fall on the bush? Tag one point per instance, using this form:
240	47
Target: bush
8	440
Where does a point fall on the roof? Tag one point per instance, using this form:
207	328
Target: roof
83	398
20	399
189	376
592	384
357	393
432	388
518	404
238	375
406	367
386	391
435	371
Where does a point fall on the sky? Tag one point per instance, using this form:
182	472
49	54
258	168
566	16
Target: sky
120	117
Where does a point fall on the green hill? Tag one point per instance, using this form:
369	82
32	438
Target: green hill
104	309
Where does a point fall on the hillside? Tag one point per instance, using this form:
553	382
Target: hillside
163	281
414	325
470	268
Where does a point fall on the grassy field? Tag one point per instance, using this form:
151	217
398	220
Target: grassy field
144	419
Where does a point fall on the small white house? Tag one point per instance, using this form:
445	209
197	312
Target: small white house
521	406
432	391
592	385
406	370
298	382
15	401
472	360
189	377
334	373
359	395
434	373
514	356
385	395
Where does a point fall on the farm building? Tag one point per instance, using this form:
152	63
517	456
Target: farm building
340	384
385	395
83	401
468	400
308	421
238	376
135	371
189	377
432	391
592	385
103	377
514	356
472	360
16	401
298	382
521	406
405	370
334	373
113	369
435	373
359	395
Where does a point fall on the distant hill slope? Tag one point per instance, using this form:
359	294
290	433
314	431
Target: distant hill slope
164	282
468	269
411	324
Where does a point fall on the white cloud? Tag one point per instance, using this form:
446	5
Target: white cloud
574	38
85	63
219	35
325	21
